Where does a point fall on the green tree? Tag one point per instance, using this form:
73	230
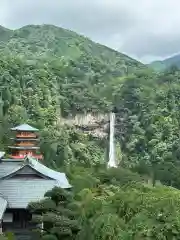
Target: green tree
57	214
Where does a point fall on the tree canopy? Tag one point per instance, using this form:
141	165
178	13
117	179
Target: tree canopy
51	76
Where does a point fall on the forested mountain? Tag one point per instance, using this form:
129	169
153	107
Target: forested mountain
167	63
49	75
41	41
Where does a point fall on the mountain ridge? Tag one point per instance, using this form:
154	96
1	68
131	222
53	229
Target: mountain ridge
53	41
12	31
68	63
166	63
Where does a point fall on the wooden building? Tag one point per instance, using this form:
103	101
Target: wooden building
25	142
22	181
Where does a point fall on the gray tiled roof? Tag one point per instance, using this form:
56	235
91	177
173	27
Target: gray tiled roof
25	127
7	167
19	193
39	167
3	205
60	177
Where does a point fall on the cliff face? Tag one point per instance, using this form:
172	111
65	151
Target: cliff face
95	124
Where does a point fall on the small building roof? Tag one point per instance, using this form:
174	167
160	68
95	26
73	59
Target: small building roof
3	205
19	192
25	127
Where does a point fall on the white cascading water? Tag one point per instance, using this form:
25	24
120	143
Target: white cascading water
112	157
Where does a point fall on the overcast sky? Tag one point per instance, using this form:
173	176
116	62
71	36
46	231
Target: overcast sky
144	29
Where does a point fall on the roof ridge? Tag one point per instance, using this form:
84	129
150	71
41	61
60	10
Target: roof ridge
22	165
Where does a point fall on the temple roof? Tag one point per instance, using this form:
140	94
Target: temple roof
20	193
13	167
18	186
7	166
25	127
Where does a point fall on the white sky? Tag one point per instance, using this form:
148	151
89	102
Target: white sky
144	29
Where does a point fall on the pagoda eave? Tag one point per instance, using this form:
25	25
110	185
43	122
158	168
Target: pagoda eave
24	148
25	139
24	130
20	157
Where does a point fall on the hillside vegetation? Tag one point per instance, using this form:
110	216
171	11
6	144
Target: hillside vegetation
49	73
50	76
167	63
109	204
43	41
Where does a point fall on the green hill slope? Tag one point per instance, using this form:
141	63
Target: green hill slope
49	73
5	34
44	88
71	66
74	69
157	65
38	41
167	63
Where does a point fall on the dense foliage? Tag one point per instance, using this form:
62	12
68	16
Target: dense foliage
43	82
148	124
49	75
39	42
106	209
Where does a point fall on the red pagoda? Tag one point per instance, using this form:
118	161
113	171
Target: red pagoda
25	142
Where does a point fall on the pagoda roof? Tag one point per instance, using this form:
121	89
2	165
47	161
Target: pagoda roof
25	127
19	192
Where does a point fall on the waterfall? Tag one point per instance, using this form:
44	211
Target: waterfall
112	157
